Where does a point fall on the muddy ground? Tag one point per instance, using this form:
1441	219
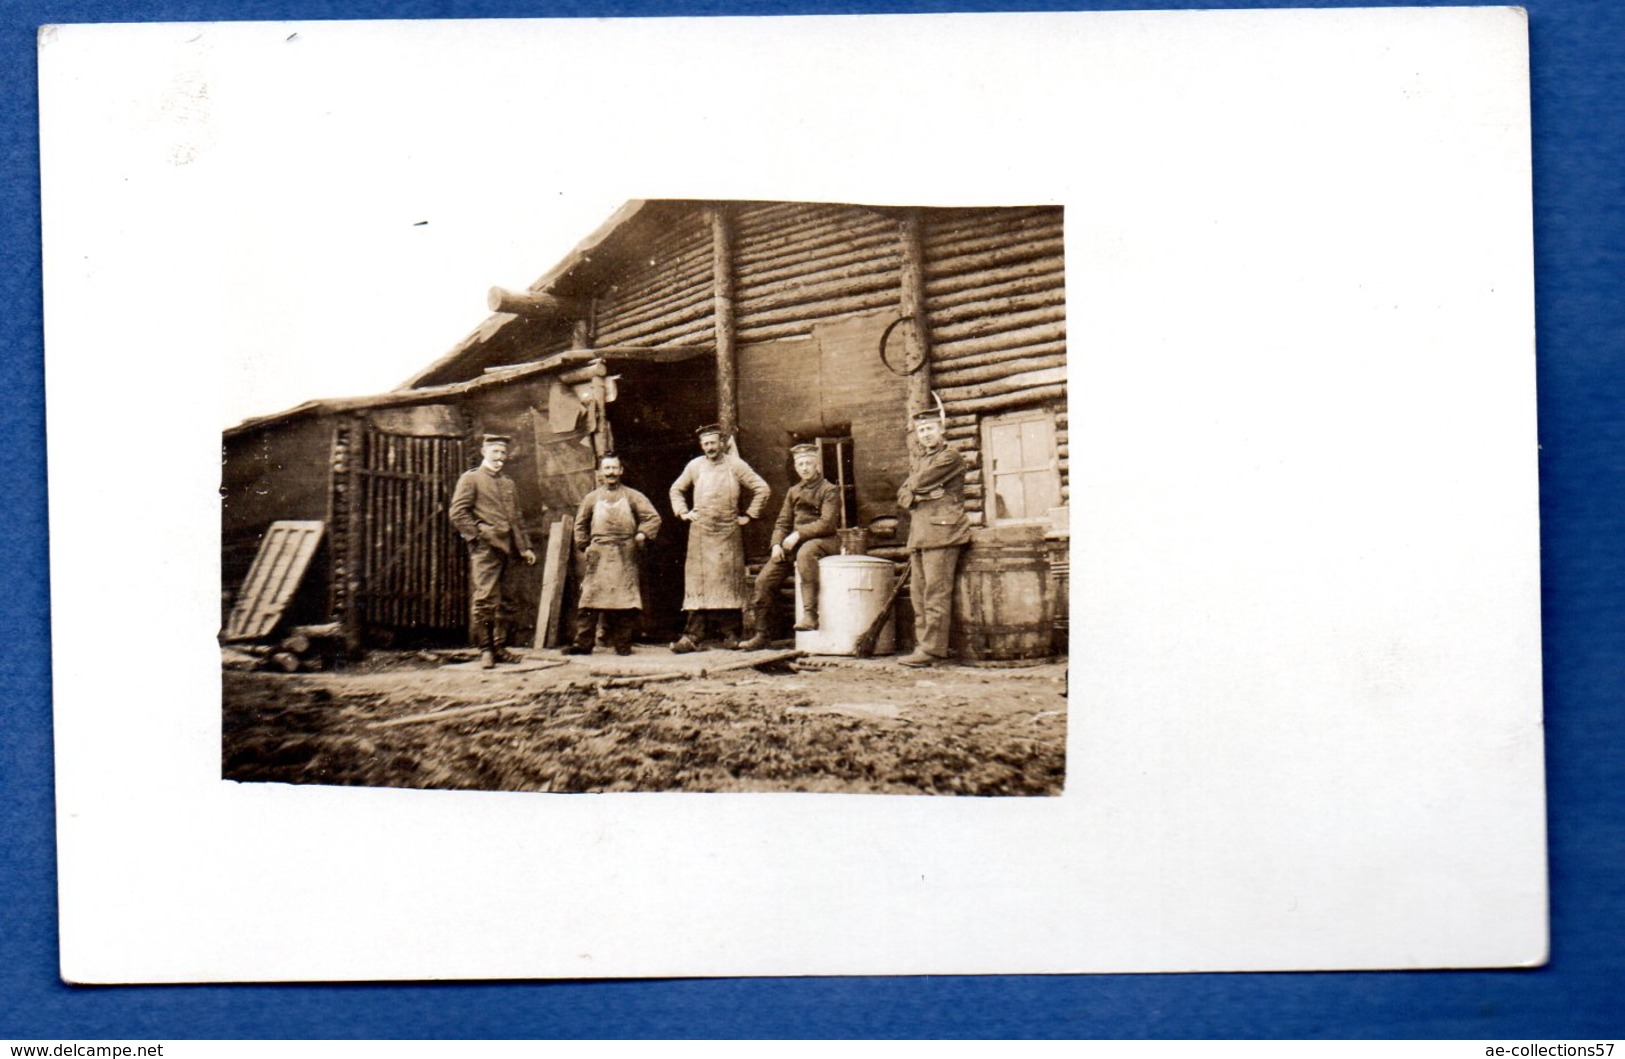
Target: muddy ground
550	724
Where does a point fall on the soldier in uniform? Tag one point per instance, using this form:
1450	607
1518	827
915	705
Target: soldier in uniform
714	572
803	534
486	515
934	492
612	526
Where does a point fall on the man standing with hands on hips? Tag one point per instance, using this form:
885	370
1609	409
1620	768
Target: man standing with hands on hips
934	492
714	573
485	513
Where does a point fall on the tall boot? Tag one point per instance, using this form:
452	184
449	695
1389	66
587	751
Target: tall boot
808	621
586	633
756	625
499	649
728	626
488	646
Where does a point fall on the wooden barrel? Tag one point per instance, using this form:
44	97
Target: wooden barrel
1060	577
1003	608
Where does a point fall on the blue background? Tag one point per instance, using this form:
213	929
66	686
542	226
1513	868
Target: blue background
1578	71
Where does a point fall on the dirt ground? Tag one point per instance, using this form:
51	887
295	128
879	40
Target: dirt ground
403	719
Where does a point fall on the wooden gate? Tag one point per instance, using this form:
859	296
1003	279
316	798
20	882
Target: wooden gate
400	567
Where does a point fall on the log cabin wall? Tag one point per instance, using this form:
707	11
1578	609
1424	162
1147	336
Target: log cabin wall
815	286
799	264
996	306
661	293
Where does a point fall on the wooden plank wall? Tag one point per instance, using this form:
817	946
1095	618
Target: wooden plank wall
798	264
278	472
996	305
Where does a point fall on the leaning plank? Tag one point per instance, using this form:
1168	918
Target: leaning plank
553	574
284	555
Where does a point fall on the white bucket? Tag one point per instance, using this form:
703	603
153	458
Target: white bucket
852	590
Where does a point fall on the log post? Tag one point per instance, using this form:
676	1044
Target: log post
604	436
533	305
722	282
916	345
351	617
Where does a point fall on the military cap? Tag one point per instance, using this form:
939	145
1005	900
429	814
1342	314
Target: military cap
804	449
496	439
709	428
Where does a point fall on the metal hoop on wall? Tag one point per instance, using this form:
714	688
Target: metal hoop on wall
886	334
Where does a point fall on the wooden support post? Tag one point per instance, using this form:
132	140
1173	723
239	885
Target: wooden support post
604	437
916	337
352	617
722	280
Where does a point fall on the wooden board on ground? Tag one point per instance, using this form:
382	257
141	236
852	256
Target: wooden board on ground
557	555
284	556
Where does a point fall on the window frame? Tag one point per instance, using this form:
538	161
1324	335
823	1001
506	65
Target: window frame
990	493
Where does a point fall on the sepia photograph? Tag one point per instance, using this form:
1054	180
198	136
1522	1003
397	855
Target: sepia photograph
738	496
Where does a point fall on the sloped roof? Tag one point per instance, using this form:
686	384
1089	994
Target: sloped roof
578	272
405	398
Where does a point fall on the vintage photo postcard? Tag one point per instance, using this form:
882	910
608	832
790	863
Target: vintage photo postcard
762	496
741	496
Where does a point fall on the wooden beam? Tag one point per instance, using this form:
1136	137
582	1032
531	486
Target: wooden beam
586	373
722	280
533	305
660	353
916	342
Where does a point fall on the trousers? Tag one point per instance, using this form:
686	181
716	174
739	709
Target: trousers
932	571
776	571
490	583
725	622
619	624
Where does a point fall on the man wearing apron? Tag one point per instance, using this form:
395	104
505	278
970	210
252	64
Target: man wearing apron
612	526
714	574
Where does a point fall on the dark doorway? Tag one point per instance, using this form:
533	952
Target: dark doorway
654	416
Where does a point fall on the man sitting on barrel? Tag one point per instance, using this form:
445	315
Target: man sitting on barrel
803	534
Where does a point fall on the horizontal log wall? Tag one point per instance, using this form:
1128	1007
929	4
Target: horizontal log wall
996	305
664	296
797	265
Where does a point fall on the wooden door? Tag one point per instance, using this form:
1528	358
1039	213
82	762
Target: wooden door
405	570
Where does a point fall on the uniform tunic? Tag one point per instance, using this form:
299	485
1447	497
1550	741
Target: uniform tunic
714	574
813	511
485	513
484	509
607	523
934	492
